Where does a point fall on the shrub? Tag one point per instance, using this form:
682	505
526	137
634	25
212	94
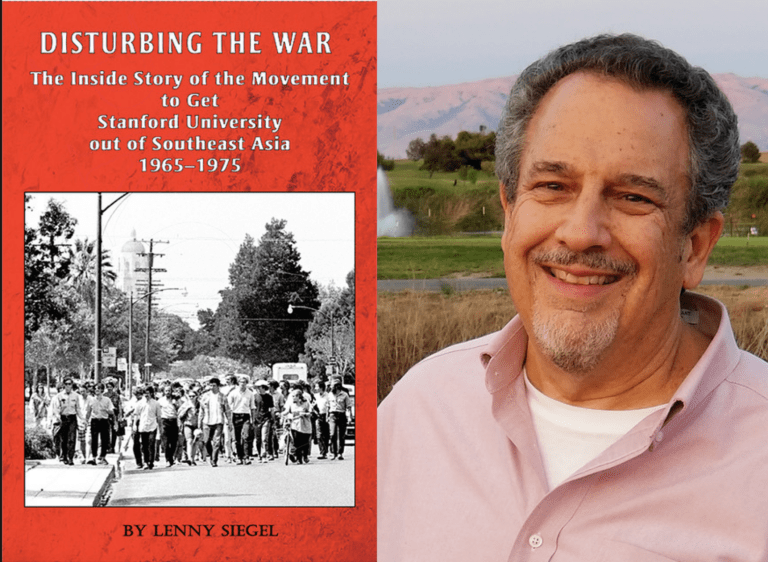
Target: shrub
472	176
38	444
386	164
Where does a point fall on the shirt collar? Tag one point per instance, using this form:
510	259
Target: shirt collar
504	356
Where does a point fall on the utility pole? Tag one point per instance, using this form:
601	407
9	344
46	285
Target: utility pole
97	300
129	370
149	269
97	332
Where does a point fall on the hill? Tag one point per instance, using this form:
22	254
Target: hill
407	113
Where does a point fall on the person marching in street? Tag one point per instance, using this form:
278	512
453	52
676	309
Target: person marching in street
263	425
338	405
114	396
149	415
169	432
65	409
84	437
242	405
130	414
214	414
188	414
298	414
98	413
278	398
228	446
321	406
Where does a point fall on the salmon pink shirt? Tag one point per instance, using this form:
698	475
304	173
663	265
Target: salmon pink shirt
460	475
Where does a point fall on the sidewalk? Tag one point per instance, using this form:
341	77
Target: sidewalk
49	483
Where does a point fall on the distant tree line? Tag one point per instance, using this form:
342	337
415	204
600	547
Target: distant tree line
384	163
447	155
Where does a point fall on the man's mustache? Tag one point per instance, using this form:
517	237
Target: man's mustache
593	260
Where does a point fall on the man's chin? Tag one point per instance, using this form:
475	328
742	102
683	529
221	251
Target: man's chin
572	342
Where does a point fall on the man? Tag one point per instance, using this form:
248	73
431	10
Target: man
169	417
321	421
214	413
131	414
98	413
338	404
227	441
242	405
149	414
66	410
264	408
614	418
278	399
114	396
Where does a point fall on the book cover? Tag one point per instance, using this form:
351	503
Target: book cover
188	107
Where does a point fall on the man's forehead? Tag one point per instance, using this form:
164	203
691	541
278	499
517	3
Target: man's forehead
587	118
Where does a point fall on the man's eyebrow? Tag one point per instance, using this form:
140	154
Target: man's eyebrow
555	167
644	181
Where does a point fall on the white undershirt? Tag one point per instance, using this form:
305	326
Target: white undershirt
569	436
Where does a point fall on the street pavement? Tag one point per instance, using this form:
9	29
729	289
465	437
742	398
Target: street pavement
321	483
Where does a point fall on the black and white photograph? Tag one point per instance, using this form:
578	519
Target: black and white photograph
189	349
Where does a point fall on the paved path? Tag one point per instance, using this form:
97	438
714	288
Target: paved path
49	483
321	483
714	275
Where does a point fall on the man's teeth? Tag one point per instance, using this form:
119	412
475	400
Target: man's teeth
582	280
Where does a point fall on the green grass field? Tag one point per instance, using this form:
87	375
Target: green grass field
740	251
481	256
439	256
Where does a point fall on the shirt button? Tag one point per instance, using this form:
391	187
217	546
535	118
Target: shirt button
535	541
659	436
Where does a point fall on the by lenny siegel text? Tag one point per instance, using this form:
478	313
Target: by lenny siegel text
230	530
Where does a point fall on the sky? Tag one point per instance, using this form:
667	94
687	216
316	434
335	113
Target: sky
440	42
205	230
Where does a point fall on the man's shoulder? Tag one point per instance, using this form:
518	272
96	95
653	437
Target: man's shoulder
452	375
456	360
751	373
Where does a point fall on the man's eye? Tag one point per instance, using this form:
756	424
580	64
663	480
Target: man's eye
635	198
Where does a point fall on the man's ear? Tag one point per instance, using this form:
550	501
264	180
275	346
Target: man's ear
503	196
698	246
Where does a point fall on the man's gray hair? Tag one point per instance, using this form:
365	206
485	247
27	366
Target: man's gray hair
713	136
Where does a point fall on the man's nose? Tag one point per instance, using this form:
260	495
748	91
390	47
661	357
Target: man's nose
585	223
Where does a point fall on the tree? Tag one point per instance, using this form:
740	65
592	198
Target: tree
474	148
252	320
750	152
82	269
46	349
45	263
415	150
440	155
331	334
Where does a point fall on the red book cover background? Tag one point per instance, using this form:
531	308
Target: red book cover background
47	131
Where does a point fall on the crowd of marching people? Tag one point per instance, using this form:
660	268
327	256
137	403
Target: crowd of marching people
195	423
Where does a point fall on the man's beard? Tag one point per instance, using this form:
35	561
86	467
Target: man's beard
575	347
571	340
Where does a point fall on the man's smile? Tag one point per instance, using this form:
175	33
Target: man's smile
574	279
